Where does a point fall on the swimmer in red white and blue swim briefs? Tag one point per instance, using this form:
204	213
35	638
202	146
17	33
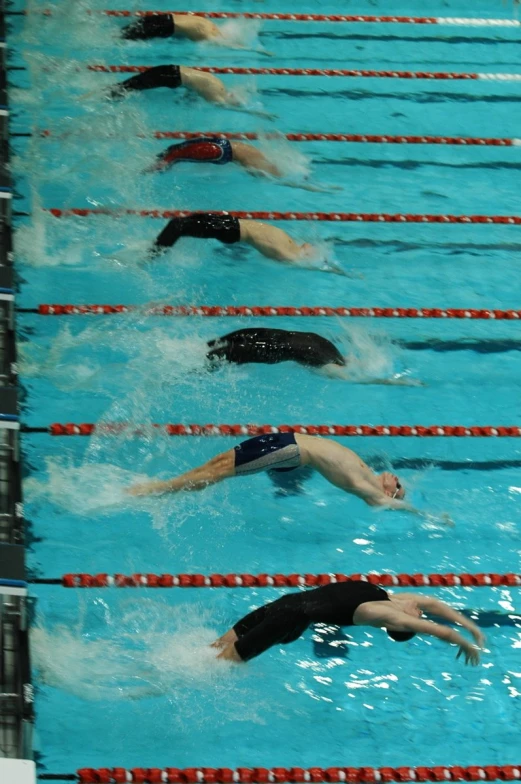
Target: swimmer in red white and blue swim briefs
215	149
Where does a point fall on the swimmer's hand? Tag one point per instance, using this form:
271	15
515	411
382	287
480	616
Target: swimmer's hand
329	266
470	652
397	381
479	637
232	104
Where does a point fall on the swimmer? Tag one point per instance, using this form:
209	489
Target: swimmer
270	241
215	149
285	452
204	84
353	603
270	346
195	28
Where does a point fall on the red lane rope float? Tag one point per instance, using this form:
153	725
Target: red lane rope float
355	72
359	217
177	429
440	20
283	580
271	310
366	775
372	138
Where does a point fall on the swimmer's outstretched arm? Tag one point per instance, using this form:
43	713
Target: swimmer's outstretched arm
342	372
371	495
443	610
238	107
397	620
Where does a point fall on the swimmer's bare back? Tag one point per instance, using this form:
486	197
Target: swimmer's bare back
206	85
196	28
213	89
346	470
270	240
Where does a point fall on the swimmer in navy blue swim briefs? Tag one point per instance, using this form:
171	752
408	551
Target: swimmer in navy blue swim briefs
286	452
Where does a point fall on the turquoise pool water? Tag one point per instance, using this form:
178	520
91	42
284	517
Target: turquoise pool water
126	678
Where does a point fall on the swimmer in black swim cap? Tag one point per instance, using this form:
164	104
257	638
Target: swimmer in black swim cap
351	603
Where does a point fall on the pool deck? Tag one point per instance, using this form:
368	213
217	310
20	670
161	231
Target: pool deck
16	691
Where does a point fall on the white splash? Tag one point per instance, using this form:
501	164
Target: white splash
86	490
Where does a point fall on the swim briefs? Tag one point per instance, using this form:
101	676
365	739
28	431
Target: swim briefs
276	451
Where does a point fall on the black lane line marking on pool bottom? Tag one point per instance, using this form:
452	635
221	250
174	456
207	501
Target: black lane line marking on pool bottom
465	344
420	463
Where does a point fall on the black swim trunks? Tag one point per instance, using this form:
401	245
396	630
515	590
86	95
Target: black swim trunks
270	346
284	620
205	225
158	76
153	26
276	452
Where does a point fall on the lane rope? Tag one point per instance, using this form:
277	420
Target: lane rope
272	311
178	429
350	72
141	580
427	20
371	138
360	217
365	775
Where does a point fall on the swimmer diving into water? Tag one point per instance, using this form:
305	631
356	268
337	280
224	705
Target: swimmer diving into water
353	603
270	346
204	84
195	28
285	452
215	149
268	240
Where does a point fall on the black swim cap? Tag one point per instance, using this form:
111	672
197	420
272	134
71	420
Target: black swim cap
401	636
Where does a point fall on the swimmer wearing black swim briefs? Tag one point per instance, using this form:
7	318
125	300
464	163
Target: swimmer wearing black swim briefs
204	225
158	76
156	26
270	346
350	603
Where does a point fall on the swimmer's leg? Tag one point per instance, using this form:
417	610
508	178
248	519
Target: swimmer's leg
160	26
215	470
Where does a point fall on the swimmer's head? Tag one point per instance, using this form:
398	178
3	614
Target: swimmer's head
409	606
400	636
392	486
